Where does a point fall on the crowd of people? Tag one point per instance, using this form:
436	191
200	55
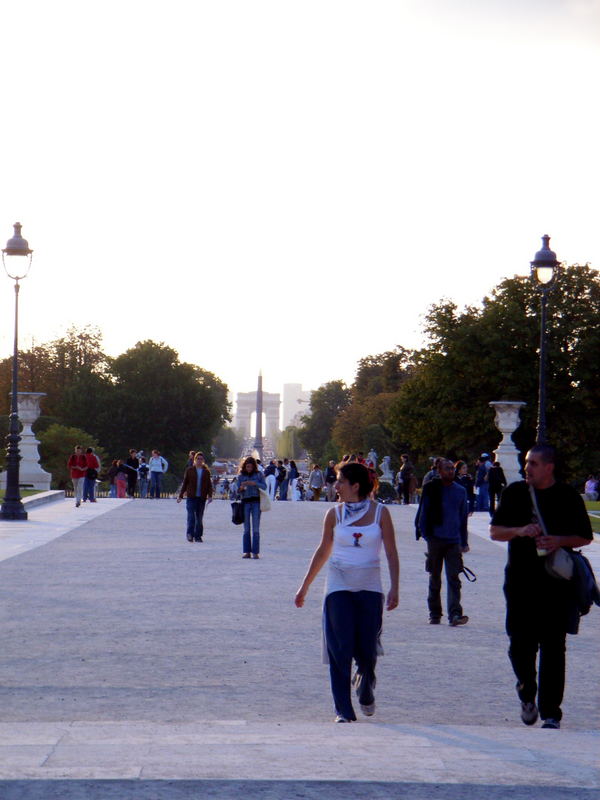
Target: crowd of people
537	517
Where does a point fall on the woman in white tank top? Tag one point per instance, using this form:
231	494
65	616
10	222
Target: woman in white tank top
353	533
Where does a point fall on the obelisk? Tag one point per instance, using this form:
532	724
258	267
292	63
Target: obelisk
258	441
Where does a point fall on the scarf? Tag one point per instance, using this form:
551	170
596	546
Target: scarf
352	512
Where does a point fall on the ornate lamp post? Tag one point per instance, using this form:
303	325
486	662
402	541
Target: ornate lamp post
16	258
544	269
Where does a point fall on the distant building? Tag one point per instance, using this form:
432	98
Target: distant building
295	404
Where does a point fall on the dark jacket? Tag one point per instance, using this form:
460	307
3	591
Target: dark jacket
190	481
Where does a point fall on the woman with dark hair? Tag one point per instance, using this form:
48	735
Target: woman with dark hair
293	476
353	532
249	481
467	482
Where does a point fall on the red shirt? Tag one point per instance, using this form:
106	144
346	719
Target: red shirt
77	465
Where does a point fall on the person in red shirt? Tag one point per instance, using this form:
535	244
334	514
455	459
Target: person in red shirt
77	465
91	473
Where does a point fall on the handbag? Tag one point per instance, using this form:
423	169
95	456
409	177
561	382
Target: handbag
265	500
558	563
237	512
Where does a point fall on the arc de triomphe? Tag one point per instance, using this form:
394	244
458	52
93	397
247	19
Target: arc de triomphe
246	406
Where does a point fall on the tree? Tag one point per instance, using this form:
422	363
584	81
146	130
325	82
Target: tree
288	443
326	403
363	425
491	353
56	445
384	372
228	443
158	401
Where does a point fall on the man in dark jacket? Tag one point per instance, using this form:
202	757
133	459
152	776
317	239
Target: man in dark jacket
442	522
198	489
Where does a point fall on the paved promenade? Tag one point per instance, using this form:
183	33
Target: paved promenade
137	665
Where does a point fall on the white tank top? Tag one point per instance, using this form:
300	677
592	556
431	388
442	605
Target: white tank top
354	565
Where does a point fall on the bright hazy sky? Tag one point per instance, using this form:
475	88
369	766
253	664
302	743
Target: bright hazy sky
289	185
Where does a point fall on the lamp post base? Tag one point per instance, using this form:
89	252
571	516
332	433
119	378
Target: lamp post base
13	510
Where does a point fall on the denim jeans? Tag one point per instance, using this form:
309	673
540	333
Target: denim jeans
195	512
89	484
113	490
251	513
143	484
441	552
155	479
283	489
482	502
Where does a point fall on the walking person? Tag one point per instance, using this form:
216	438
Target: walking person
293	475
330	479
540	609
143	480
198	489
158	466
270	478
121	479
496	485
112	474
248	482
133	463
316	481
77	466
466	481
442	522
407	476
283	486
353	533
483	466
91	475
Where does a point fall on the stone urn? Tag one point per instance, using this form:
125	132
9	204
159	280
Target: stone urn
387	474
31	475
507	421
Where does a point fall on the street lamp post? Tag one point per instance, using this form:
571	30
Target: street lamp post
544	269
16	258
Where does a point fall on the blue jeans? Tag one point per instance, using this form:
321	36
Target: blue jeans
113	490
283	489
195	512
143	484
155	479
89	484
483	498
251	512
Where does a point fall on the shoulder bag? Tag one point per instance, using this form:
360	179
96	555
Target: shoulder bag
558	563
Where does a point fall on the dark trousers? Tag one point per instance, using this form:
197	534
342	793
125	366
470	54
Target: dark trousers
523	652
131	483
352	628
495	494
443	553
195	512
406	492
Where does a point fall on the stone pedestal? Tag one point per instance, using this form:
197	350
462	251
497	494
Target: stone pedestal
507	421
30	472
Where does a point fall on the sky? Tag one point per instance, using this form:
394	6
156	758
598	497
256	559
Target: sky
288	186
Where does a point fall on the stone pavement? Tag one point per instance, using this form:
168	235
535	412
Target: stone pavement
137	665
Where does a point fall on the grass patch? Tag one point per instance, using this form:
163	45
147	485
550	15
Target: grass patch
24	492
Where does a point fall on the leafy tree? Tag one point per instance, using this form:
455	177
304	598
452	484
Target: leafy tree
56	445
228	443
288	443
491	353
158	401
326	403
363	425
385	372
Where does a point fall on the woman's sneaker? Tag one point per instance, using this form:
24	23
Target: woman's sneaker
340	718
368	710
551	723
529	713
